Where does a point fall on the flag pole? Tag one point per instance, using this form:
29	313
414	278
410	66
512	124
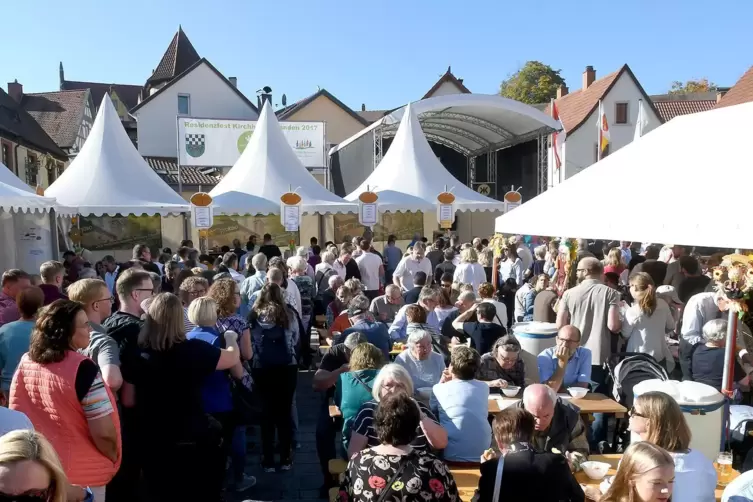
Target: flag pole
600	125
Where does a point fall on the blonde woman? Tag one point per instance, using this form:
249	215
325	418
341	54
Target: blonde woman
469	271
646	474
355	387
164	377
30	470
647	322
614	262
657	419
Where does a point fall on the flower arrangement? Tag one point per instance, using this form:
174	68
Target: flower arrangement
498	244
734	281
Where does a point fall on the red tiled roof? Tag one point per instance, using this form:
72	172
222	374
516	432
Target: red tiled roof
447	77
741	92
17	124
577	106
670	106
167	169
178	57
59	113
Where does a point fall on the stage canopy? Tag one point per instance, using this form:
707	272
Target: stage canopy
108	176
266	170
683	183
410	176
472	124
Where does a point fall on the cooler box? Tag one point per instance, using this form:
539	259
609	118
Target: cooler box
703	407
534	337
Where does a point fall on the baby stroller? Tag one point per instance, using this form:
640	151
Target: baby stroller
626	370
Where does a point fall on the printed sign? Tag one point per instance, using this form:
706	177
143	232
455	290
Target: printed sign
211	142
99	233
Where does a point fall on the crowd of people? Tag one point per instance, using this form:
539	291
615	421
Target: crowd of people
138	380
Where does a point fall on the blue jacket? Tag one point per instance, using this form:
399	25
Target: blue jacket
215	393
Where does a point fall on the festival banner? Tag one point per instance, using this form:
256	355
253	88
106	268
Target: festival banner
211	142
100	233
402	225
226	228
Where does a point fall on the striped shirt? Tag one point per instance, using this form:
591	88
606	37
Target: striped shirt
364	425
96	403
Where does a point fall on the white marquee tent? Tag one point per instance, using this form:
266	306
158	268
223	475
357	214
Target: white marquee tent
685	182
27	238
109	177
7	177
410	176
266	169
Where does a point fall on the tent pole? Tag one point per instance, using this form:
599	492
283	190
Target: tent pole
728	374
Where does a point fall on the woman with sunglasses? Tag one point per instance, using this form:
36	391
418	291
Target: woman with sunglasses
657	418
30	471
63	394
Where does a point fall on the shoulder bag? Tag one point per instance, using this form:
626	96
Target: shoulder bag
388	488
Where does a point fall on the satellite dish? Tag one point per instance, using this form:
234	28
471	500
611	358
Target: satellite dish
284	100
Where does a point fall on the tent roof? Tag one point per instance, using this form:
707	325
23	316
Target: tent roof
108	176
7	177
411	176
686	181
471	124
266	169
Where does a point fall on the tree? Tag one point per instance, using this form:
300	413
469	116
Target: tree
534	83
700	85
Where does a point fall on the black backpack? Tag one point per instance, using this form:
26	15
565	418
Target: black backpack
270	346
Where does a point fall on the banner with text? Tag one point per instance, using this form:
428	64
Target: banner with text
210	142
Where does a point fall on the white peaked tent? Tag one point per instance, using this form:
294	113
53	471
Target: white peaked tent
7	177
410	176
266	169
685	182
109	177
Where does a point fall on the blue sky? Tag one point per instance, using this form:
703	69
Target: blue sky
379	52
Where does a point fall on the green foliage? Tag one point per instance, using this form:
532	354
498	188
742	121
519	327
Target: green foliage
534	83
700	85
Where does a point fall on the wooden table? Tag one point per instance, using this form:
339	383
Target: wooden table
591	403
466	479
613	459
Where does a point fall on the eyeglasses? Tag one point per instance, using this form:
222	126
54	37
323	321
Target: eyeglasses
110	299
198	292
632	413
32	496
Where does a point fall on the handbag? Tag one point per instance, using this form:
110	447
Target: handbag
498	478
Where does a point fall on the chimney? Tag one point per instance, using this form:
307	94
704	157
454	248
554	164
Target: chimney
588	77
15	90
234	81
265	97
460	80
561	91
363	107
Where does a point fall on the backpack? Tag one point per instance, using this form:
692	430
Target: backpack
270	346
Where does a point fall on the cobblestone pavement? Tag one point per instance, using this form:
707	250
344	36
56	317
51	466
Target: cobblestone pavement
303	481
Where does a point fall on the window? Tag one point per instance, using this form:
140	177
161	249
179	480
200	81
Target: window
32	169
620	113
6	155
184	104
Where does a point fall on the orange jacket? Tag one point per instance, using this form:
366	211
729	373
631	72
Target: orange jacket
46	393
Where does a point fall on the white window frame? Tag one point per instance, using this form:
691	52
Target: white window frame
188	98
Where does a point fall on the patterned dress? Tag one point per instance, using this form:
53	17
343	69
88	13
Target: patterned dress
425	478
